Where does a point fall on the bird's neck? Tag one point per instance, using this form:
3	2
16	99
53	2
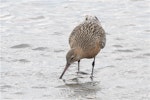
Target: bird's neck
78	53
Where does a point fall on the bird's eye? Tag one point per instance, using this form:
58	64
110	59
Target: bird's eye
72	58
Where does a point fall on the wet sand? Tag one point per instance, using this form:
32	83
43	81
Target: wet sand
34	42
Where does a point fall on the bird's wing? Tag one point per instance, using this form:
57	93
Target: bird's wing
73	34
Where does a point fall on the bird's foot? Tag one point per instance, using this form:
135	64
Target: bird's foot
91	77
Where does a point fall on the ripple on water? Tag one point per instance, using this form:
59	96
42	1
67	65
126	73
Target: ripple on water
137	49
139	57
5	16
40	48
130	25
19	46
37	18
14	60
38	87
117	46
147	31
57	51
120	87
118	59
118	39
19	93
146	54
57	33
6	86
23	60
126	51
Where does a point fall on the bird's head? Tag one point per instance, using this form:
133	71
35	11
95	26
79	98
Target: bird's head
71	57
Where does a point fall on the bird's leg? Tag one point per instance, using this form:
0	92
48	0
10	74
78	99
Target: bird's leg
78	66
93	64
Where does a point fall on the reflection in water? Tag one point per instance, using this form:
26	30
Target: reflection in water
81	89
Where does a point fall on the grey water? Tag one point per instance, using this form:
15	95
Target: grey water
34	42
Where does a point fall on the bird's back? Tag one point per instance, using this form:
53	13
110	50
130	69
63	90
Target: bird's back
89	36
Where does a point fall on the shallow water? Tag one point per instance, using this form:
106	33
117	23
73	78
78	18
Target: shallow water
34	42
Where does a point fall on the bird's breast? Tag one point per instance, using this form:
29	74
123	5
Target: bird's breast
91	52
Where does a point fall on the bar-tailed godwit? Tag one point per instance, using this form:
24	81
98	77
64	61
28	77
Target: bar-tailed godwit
86	41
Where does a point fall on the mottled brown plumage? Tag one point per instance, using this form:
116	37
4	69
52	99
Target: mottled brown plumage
86	41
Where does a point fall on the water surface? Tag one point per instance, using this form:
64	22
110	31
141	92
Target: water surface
34	42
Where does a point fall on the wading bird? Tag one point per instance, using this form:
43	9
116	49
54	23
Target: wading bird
86	41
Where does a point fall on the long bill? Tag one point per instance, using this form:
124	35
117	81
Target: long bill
67	65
